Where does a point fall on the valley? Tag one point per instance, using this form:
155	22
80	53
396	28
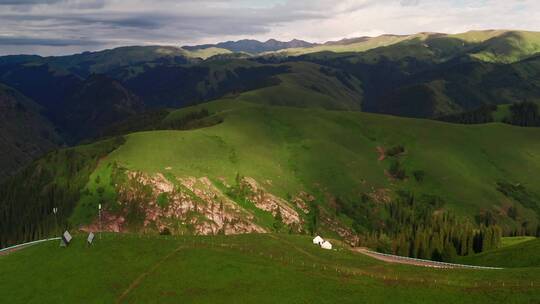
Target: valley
205	171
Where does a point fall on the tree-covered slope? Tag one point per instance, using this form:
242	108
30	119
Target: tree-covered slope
96	103
53	181
24	133
417	79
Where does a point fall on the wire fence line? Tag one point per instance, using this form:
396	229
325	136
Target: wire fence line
28	244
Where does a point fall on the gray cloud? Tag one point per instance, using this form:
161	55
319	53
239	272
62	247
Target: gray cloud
23	41
27	2
63	26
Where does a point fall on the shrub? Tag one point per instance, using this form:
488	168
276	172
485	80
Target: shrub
419	175
163	200
395	151
396	171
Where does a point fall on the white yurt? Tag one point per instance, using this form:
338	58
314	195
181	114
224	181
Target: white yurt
326	245
318	240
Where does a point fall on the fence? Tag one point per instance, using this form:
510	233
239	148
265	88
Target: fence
27	244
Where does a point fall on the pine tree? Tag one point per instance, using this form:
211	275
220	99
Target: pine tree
278	221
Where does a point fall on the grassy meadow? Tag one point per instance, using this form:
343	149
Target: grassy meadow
515	252
270	268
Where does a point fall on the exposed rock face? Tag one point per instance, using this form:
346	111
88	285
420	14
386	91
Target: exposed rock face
302	200
221	210
381	195
109	222
348	235
191	205
187	205
271	203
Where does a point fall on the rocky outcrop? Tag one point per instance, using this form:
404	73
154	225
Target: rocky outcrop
302	200
346	233
268	202
184	205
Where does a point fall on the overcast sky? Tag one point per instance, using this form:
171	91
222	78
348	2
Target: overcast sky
54	27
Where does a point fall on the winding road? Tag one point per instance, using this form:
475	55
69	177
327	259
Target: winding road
412	261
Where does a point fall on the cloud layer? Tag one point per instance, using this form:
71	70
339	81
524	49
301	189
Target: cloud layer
51	27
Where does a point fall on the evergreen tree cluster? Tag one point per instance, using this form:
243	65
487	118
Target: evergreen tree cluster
55	181
483	114
524	114
419	228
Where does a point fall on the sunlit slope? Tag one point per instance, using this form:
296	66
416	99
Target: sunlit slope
502	46
311	86
241	269
336	152
349	45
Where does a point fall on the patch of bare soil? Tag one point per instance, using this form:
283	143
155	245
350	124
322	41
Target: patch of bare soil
381	152
109	222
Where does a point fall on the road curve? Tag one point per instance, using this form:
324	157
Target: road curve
412	261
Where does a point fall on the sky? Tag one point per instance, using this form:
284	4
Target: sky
58	27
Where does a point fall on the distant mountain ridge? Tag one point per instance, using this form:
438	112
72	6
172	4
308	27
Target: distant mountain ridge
253	46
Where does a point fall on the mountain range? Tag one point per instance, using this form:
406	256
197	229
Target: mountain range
342	138
251	46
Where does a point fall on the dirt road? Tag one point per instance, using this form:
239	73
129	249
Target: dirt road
411	261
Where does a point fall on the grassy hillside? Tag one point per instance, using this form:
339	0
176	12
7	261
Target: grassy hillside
514	240
521	253
103	61
501	46
285	144
331	154
348	45
242	269
313	86
230	166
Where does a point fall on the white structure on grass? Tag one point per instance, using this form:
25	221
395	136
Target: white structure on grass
326	245
321	242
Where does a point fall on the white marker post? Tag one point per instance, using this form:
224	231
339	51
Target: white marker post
99	211
55	210
90	239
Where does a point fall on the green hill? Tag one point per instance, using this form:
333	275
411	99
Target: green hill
254	167
347	45
415	79
501	46
520	254
241	269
